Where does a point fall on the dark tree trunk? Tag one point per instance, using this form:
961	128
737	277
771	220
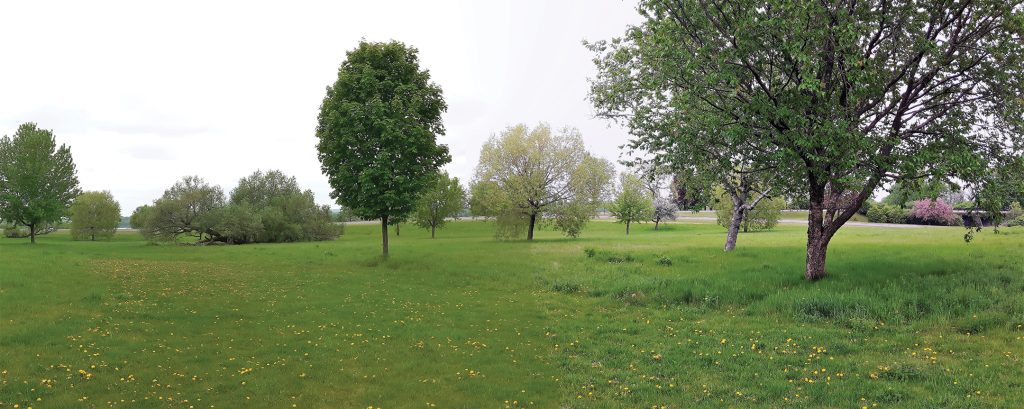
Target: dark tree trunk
734	228
32	233
398	229
432	229
384	234
656	224
818	236
744	220
627	228
533	222
817	248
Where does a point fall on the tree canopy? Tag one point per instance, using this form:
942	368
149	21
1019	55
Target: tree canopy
139	217
94	215
182	210
38	180
665	209
377	130
632	204
443	199
266	207
527	174
836	97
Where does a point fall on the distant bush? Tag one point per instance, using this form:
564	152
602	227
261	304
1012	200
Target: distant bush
16	232
265	207
139	216
21	232
933	212
866	207
346	215
1016	211
965	205
1019	221
798	202
886	213
94	215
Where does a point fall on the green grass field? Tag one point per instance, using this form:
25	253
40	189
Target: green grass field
909	318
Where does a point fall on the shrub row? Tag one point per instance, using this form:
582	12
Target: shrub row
927	212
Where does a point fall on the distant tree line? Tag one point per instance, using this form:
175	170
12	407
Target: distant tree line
265	207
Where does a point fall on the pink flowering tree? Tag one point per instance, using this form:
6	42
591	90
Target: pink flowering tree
934	212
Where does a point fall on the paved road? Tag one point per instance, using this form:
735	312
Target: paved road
804	222
712	219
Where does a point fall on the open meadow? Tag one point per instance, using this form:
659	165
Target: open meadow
910	318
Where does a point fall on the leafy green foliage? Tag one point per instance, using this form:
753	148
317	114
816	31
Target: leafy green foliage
261	189
443	199
16	232
631	204
837	98
139	217
903	194
377	130
265	207
1018	221
183	209
242	223
527	174
346	215
689	191
1002	184
763	216
37	179
270	207
887	213
94	215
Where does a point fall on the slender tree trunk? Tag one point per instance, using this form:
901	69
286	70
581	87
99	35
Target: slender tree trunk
744	220
32	233
398	229
656	224
627	227
432	228
533	222
384	234
734	228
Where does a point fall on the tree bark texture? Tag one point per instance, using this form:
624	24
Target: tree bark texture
384	234
533	223
734	227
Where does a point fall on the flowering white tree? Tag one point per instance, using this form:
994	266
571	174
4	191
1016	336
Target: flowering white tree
664	209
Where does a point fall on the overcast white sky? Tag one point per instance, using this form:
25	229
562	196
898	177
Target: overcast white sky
145	92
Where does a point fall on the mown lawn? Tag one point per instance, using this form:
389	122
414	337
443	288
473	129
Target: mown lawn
908	318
